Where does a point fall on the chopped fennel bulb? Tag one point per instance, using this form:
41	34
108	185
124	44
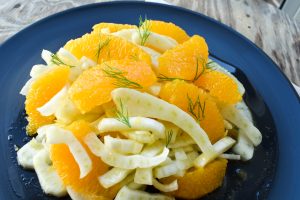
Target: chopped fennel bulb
126	193
113	176
87	63
230	156
140	136
27	152
25	89
244	147
166	170
154	57
180	154
154	89
38	70
154	149
122	161
232	114
165	187
183	141
136	123
68	58
50	107
48	177
123	146
56	135
143	176
143	104
47	56
136	186
220	147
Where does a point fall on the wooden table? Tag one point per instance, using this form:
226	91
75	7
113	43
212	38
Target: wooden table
265	25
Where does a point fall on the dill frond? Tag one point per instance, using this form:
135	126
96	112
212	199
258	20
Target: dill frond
196	108
144	29
162	77
120	78
134	57
122	114
57	61
169	136
101	45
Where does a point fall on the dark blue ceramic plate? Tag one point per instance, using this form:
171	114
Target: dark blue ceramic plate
273	173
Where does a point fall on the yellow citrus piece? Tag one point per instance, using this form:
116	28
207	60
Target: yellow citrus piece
167	29
184	61
221	86
179	92
68	170
40	92
102	47
93	87
201	181
112	27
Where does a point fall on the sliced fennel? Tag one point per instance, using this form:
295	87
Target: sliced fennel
154	57
180	154
56	135
87	63
122	161
27	152
48	177
140	136
25	89
136	123
220	147
230	156
143	176
183	140
143	104
46	55
38	70
50	107
126	193
244	147
232	114
123	146
165	187
166	170
113	176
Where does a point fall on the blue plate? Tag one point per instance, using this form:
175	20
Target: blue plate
270	96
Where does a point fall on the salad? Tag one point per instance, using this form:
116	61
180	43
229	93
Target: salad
134	112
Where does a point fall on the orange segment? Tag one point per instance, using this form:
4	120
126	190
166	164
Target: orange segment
103	47
93	87
112	27
67	168
168	29
201	181
182	60
206	111
41	91
221	86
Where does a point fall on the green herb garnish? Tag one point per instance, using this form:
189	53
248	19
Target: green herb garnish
120	78
57	61
199	108
143	30
122	114
169	136
101	45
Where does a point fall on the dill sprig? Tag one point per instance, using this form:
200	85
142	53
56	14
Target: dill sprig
122	114
57	61
120	78
144	29
196	108
162	77
169	136
101	45
134	57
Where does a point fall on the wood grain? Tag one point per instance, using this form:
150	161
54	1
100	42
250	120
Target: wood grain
265	25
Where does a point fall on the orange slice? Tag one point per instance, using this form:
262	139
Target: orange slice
68	170
102	47
167	29
186	60
201	181
179	92
40	92
112	27
93	87
221	86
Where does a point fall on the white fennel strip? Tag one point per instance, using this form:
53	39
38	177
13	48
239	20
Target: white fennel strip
166	170
165	187
48	177
27	152
220	147
56	135
154	57
50	107
143	176
235	116
140	136
123	146
182	141
136	123
230	156
123	161
113	176
244	147
126	193
143	104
